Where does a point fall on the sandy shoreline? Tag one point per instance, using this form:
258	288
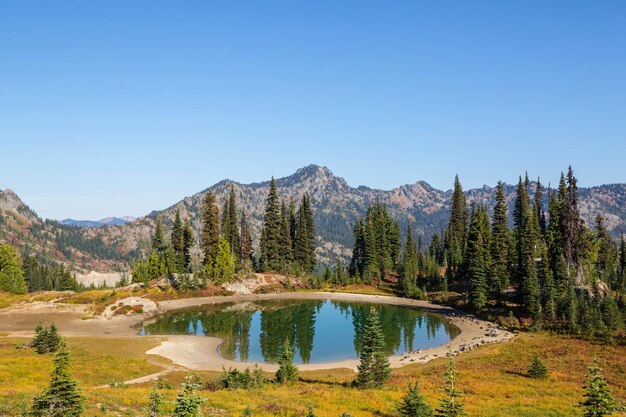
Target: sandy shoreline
201	352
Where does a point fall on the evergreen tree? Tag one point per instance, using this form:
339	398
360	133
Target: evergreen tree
409	264
450	405
155	403
457	230
286	245
271	234
477	258
188	401
374	367
11	273
62	398
598	398
224	267
525	236
304	246
537	368
188	242
247	257
234	238
287	372
210	229
413	404
177	244
500	244
158	242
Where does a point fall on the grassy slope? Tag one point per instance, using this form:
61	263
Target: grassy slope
492	378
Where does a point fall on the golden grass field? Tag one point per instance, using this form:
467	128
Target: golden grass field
492	378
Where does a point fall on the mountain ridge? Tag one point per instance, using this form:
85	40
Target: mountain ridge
336	206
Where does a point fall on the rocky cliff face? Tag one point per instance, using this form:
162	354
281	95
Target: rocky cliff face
336	206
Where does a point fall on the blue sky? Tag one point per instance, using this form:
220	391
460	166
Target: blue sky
118	107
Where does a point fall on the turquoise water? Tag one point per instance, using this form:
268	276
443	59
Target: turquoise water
319	330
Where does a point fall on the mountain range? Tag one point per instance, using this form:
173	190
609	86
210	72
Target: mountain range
336	206
107	221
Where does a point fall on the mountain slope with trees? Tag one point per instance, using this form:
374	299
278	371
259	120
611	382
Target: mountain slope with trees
334	204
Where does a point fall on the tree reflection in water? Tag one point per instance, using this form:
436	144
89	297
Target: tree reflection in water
318	330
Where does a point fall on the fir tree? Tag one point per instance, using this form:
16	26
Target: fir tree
271	234
374	367
285	241
500	244
537	368
11	273
409	264
210	229
158	242
413	404
598	398
224	267
177	244
247	257
457	230
188	401
234	239
478	256
155	403
450	405
287	372
62	398
525	236
188	242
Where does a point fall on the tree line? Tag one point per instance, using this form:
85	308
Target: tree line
286	244
559	272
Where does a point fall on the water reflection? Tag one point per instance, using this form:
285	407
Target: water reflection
319	330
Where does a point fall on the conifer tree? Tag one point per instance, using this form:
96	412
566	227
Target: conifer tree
188	401
158	242
224	267
525	236
537	368
233	225
246	257
177	244
62	398
450	405
373	369
598	400
409	264
11	273
413	404
271	234
457	230
500	244
155	403
285	241
287	372
210	229
188	242
477	260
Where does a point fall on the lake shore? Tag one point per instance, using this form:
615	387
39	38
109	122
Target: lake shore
201	352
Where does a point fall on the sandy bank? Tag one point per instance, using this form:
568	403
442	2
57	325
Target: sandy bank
201	353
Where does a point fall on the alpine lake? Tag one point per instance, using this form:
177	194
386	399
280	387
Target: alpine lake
319	330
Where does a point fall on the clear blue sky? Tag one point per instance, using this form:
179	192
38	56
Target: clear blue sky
121	107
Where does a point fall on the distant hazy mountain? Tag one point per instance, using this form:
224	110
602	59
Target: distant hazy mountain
336	206
107	221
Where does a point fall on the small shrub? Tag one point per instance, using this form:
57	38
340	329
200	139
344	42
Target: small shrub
537	369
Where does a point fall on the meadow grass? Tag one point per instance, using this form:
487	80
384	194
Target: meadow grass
493	379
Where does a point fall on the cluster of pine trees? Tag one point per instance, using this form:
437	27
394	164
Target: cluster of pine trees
378	252
20	275
287	242
562	274
288	236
